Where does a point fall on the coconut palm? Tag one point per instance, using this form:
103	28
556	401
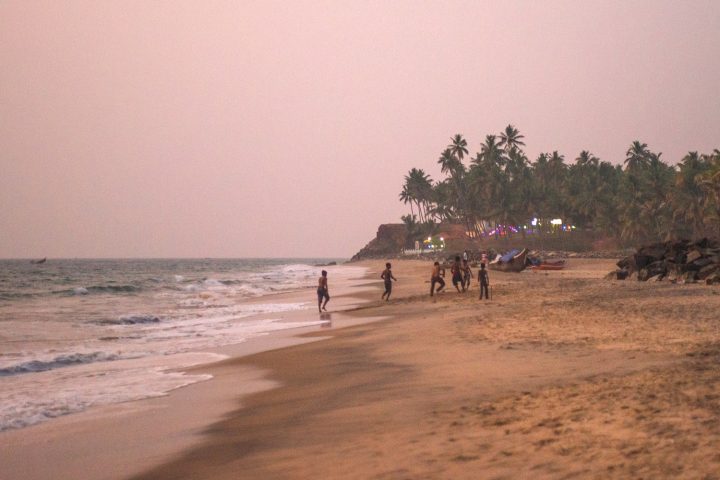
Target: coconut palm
511	139
407	197
637	156
449	163
709	182
490	153
458	147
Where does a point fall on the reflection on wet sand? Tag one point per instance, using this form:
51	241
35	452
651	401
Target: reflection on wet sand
327	318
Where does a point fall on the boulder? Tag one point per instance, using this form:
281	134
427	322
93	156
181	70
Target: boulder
682	261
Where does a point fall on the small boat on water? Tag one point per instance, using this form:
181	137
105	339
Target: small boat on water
513	261
38	262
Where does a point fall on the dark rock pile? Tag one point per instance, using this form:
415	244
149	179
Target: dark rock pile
676	261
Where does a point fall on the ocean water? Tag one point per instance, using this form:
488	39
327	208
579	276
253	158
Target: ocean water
79	333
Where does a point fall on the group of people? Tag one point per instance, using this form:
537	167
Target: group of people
461	278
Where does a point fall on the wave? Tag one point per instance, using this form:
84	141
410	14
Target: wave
16	295
130	320
99	289
35	366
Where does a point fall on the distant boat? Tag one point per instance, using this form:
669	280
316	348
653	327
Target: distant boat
549	266
513	261
38	262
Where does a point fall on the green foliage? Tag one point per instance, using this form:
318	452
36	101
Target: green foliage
643	200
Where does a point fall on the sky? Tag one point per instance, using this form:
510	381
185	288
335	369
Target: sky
285	128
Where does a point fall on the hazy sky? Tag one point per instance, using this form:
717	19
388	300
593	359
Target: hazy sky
238	128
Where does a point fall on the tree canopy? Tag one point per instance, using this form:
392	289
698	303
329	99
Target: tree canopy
640	199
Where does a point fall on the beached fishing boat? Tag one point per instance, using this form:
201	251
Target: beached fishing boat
513	261
548	266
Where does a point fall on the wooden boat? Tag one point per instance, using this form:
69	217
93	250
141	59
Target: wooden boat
38	262
547	266
556	263
515	264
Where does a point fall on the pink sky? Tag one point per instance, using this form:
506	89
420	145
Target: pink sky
237	128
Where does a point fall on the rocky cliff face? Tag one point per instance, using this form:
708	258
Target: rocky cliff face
389	241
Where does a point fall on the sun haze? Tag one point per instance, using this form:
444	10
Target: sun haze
256	129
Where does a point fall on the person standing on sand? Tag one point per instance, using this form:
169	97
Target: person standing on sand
467	275
484	281
388	277
322	292
456	271
436	277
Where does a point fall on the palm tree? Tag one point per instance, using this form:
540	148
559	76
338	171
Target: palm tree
688	198
420	188
406	196
637	156
586	158
583	188
511	139
490	153
458	147
709	182
449	163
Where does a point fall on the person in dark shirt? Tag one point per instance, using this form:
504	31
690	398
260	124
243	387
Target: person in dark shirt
456	271
484	281
467	275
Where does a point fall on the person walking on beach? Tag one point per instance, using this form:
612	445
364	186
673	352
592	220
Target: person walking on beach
388	277
437	273
322	292
484	281
467	275
456	271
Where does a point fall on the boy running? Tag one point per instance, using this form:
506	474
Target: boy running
457	274
388	277
436	277
322	291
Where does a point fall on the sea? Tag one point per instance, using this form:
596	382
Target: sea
80	333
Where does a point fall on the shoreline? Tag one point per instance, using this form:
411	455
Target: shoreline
104	440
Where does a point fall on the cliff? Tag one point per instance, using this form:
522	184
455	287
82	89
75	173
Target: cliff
391	238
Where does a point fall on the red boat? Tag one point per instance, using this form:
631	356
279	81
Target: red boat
558	265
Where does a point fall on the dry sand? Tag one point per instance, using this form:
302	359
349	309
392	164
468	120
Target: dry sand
561	375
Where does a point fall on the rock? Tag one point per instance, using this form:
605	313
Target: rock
692	256
617	275
682	261
707	270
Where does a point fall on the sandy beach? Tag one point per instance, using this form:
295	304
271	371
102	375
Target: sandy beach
561	375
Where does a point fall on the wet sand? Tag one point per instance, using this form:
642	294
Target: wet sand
561	375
